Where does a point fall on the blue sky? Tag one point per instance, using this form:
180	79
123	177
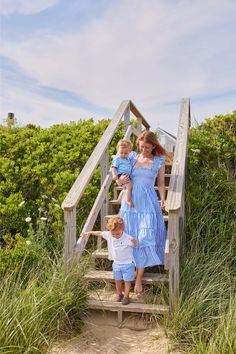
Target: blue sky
65	60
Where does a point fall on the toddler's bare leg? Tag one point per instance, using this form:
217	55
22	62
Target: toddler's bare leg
127	288
128	187
119	286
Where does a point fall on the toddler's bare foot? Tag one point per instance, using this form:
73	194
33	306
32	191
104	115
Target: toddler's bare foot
130	203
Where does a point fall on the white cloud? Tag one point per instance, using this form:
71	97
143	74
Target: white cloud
25	6
32	108
159	53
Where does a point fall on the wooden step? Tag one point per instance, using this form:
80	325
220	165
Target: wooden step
107	276
100	254
104	299
131	307
165	217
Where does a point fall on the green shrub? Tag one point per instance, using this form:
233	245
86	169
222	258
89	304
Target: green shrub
39	166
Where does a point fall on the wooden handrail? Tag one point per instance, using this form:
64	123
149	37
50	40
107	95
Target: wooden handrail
175	204
138	115
84	177
176	186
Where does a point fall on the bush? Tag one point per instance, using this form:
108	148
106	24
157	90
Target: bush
38	168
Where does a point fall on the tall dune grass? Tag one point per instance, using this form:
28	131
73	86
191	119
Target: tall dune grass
38	305
204	321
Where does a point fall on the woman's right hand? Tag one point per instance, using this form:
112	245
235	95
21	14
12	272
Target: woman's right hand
124	179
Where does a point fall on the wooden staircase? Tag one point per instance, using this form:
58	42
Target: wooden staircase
103	299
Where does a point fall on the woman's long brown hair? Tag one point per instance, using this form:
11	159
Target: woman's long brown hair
151	138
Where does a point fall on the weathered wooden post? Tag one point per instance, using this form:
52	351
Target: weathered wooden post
127	118
175	204
70	235
104	209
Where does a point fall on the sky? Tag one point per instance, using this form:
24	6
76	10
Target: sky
65	60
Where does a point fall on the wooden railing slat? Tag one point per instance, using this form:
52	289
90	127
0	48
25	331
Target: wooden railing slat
84	177
136	112
176	186
82	241
175	204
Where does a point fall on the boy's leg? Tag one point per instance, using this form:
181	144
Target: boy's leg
128	276
117	274
127	288
119	286
128	187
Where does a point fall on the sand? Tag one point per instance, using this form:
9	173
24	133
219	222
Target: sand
102	334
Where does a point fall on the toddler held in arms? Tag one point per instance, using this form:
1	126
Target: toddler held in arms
121	166
121	253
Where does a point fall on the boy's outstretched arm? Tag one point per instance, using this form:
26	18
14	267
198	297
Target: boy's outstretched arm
94	233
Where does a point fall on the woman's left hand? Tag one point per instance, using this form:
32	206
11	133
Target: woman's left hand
163	204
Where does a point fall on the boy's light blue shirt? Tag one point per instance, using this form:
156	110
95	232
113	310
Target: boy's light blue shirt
122	165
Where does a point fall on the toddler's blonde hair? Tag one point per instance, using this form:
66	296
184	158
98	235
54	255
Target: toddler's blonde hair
124	143
115	223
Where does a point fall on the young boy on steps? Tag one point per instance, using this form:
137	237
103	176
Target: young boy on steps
120	252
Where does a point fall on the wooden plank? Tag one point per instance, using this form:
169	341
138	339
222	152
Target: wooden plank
139	124
131	130
135	131
176	186
82	241
109	294
107	276
70	233
84	177
131	307
137	114
173	236
114	202
101	254
127	118
167	249
104	208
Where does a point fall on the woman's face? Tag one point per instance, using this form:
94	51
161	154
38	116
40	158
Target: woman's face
145	149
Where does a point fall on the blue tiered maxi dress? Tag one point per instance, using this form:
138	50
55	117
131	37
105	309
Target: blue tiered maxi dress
145	221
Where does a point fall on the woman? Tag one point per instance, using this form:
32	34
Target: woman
144	221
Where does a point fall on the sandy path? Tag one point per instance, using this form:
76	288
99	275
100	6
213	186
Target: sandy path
101	334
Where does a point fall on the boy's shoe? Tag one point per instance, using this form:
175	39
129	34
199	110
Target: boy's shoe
125	301
119	297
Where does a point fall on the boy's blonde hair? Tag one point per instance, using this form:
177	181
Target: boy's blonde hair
124	143
115	223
